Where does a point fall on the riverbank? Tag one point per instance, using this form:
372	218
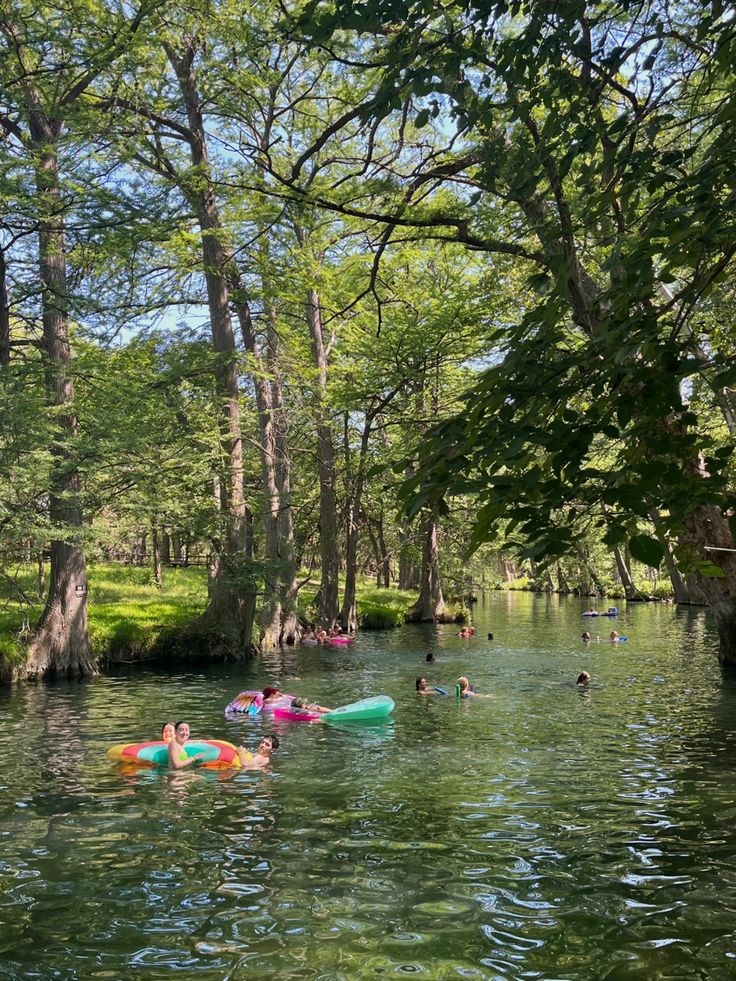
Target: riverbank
130	619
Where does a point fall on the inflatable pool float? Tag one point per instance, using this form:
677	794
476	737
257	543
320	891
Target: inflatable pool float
340	640
246	703
365	710
281	703
288	714
309	642
217	753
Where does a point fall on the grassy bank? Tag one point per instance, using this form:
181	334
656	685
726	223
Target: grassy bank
129	618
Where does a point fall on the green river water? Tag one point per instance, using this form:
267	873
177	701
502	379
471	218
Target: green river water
543	833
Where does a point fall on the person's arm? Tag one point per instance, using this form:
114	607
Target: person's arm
175	751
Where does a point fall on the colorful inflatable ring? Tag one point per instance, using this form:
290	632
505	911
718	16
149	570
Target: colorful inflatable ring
340	640
296	715
246	703
217	753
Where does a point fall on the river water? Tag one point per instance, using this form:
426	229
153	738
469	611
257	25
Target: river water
542	833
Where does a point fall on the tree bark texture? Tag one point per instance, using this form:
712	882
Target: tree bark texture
328	595
232	596
430	605
60	646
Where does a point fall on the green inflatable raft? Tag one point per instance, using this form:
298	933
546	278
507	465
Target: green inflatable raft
365	710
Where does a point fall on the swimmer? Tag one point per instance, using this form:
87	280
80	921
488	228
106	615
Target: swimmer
585	637
466	690
300	704
168	731
271	695
178	758
430	658
261	759
614	637
465	632
423	688
490	636
583	679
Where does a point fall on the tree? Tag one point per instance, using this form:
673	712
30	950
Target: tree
49	63
593	141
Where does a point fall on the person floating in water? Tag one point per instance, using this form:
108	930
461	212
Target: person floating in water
423	688
178	758
614	637
583	680
168	731
585	636
490	636
302	705
261	759
430	658
464	689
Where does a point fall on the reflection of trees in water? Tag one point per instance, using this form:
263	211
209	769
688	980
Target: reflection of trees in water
59	714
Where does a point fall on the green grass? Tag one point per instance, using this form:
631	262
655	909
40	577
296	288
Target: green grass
130	618
128	615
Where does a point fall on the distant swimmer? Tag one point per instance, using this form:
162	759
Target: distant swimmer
423	688
614	636
585	636
583	680
463	689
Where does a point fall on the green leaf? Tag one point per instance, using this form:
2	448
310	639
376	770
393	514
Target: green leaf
647	550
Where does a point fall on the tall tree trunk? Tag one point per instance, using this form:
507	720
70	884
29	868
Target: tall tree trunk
41	573
430	605
278	607
232	598
679	587
165	547
348	610
327	600
4	313
630	590
408	578
385	567
156	556
61	642
707	532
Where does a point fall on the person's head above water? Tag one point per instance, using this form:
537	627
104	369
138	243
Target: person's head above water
463	682
421	684
168	731
583	679
585	635
268	744
271	692
181	733
429	658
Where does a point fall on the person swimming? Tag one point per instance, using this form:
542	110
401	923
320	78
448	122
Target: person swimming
614	636
585	636
465	690
583	679
261	759
168	731
178	758
422	688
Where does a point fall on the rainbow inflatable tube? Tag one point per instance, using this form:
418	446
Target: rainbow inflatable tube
217	753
